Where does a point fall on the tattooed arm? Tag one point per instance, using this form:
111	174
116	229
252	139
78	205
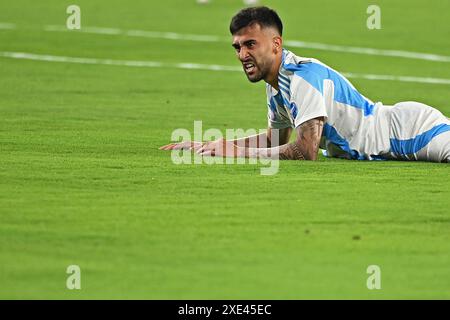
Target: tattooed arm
271	138
305	147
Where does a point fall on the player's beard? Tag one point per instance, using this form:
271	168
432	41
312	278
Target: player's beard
259	72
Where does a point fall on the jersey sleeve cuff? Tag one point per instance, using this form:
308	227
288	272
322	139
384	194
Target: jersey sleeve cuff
302	120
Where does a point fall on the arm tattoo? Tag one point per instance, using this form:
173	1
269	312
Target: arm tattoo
307	144
292	152
305	148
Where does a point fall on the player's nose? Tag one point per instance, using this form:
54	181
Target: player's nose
243	54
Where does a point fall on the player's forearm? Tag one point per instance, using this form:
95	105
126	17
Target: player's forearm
271	138
256	141
289	151
304	148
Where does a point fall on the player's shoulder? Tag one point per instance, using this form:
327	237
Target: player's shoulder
299	66
296	68
310	68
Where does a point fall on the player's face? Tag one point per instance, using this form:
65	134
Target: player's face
254	48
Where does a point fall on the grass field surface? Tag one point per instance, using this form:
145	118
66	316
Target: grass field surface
82	181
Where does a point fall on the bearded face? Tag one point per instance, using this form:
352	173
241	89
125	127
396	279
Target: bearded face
255	49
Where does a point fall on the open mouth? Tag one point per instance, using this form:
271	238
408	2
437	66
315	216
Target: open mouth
249	67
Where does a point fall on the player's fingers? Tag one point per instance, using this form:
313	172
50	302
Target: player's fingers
195	145
207	153
209	146
180	146
166	147
200	150
191	146
204	147
175	146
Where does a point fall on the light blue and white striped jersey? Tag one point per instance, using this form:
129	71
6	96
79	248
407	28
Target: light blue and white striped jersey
354	128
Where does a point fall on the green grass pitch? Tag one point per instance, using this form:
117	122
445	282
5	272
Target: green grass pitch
82	180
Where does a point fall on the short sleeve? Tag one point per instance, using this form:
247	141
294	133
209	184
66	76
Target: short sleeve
307	100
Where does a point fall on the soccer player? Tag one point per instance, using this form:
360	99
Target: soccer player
322	106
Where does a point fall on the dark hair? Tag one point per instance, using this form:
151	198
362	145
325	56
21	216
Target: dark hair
263	16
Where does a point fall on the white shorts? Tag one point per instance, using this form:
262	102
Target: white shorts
418	132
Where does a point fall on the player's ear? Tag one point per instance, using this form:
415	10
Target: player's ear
277	44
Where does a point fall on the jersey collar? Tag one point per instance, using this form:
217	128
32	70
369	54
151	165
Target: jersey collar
283	58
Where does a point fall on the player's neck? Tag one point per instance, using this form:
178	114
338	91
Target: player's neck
272	78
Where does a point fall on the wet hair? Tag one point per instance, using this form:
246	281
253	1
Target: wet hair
263	16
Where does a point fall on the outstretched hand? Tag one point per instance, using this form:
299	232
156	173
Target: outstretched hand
217	148
185	145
